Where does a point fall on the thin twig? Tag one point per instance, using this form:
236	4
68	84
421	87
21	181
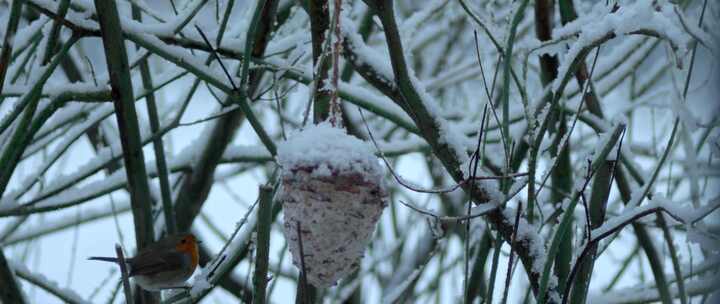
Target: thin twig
482	70
508	276
217	57
489	95
409	186
472	168
222	113
588	176
124	274
586	87
450	219
616	228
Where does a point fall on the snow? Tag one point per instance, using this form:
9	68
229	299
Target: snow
413	23
398	291
643	294
682	213
293	41
43	282
72	135
365	54
706	240
139	35
168	28
59	194
200	282
222	262
640	15
24	35
528	233
238	153
693	215
454	74
371	100
65	222
184	59
613	223
680	108
618	74
325	144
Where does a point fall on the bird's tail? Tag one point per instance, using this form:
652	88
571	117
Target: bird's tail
105	259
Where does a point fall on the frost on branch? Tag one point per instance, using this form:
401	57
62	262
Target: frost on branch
332	187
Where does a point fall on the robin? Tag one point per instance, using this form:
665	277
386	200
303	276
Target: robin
165	264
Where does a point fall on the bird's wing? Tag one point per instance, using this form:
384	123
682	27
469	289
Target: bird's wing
153	263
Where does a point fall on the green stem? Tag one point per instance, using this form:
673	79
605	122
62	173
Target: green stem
262	253
598	203
673	257
565	223
507	63
21	138
11	291
494	268
12	25
158	147
319	26
476	286
55	31
123	100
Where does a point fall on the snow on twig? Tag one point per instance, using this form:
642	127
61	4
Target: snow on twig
39	280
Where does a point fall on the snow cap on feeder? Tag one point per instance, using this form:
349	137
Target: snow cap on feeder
332	186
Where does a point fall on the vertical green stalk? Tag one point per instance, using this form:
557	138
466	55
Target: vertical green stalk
10	291
548	65
158	147
507	63
644	241
55	31
563	229
562	175
598	204
12	25
494	268
476	285
568	14
262	251
548	72
249	44
124	102
673	257
642	235
241	97
23	65
567	11
196	184
656	266
319	27
562	181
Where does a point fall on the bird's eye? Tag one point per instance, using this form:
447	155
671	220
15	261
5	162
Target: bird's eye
183	241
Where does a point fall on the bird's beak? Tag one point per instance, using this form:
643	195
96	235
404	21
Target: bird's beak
199	242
